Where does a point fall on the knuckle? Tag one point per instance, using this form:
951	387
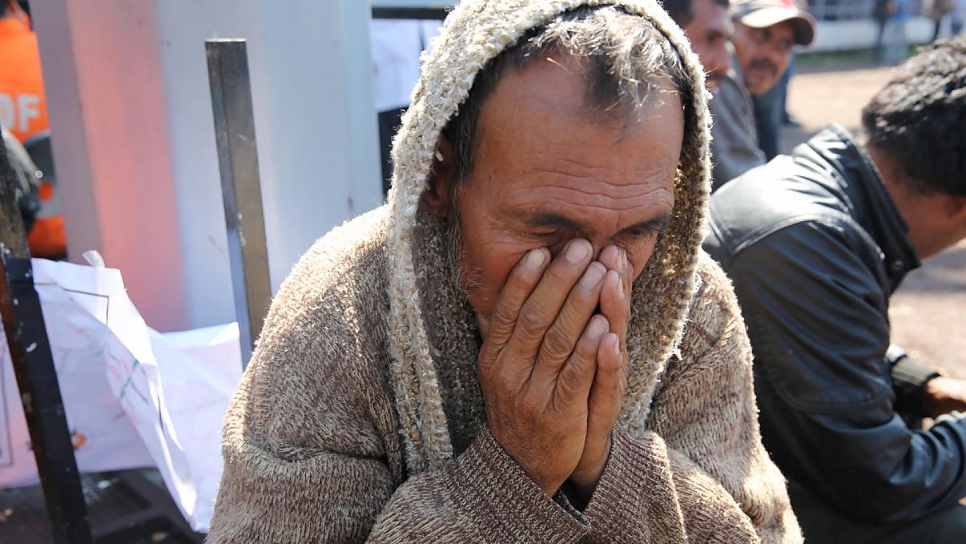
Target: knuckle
503	316
556	345
505	382
531	323
570	382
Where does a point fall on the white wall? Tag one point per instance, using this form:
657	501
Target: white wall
130	112
861	34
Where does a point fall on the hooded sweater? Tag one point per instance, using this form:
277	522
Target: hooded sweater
361	419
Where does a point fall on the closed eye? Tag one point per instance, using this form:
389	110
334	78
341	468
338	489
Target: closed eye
648	228
548	234
642	232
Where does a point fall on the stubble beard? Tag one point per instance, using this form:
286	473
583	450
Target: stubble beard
469	279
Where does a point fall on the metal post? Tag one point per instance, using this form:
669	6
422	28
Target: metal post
409	13
23	323
231	100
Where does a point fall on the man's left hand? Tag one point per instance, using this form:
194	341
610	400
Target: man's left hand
610	381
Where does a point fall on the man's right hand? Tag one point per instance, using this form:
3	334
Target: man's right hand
539	359
942	395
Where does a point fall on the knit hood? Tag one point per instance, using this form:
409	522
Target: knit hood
429	315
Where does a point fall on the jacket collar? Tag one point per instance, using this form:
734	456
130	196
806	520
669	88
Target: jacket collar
873	207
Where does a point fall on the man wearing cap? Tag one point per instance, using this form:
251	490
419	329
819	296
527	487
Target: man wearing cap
765	31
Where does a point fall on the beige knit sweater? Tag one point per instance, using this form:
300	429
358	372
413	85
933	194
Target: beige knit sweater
360	417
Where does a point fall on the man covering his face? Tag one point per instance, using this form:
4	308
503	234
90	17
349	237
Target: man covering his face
499	354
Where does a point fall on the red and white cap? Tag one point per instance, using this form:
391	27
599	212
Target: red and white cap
765	13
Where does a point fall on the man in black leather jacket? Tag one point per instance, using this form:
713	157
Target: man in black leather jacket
815	243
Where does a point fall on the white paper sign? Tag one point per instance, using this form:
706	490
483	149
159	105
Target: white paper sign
76	305
133	397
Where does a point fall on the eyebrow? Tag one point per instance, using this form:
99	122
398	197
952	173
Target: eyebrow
559	222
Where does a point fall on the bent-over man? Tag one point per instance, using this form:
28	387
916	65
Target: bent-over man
500	354
816	243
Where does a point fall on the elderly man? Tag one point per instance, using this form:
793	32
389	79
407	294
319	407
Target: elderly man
764	33
708	27
816	243
499	355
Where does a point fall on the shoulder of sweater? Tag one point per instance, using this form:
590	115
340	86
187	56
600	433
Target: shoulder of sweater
324	340
713	314
713	289
332	308
341	255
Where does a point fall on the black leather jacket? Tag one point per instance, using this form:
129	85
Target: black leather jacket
815	247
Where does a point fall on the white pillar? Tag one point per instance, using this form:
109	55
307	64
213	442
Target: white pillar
133	136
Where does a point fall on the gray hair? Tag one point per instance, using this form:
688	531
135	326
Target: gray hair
622	58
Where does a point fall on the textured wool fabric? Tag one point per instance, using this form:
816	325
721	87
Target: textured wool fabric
360	417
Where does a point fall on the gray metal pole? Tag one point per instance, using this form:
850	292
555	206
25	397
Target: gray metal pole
33	364
231	100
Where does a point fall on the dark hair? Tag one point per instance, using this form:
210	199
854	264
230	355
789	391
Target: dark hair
681	10
622	56
920	118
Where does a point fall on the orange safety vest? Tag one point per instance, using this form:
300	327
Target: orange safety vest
23	110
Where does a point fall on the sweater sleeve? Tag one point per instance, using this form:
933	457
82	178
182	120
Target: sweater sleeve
318	471
699	474
481	496
312	451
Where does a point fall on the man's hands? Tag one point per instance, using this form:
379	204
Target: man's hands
943	395
553	363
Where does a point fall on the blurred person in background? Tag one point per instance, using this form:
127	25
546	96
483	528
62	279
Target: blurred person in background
880	12
896	38
23	110
764	33
957	17
708	27
937	13
816	243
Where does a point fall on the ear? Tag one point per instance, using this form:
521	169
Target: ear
436	198
956	207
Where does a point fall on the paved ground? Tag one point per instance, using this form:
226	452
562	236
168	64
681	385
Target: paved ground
927	312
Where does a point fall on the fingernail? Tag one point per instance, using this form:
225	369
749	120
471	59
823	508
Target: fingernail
536	258
598	326
592	276
620	287
577	251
